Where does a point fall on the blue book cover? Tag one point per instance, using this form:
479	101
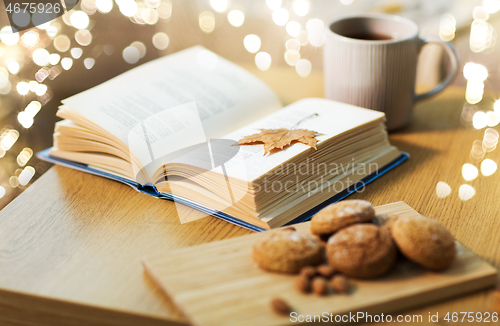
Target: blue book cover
151	190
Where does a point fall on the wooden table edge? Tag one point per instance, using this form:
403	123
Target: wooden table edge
14	310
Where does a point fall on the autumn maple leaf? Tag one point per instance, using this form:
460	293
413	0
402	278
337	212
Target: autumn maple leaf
280	138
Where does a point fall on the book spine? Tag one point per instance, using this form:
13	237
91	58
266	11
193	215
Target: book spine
149	189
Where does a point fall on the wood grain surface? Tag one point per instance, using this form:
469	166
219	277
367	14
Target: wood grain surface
71	244
218	284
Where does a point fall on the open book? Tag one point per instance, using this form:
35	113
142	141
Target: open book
170	128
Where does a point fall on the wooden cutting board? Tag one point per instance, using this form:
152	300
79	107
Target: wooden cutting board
218	284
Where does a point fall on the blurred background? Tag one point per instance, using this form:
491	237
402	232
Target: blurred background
279	40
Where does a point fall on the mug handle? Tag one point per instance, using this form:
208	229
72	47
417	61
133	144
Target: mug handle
452	53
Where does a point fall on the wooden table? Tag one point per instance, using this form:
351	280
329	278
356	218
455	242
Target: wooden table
71	244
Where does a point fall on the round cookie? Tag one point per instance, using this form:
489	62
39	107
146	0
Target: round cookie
287	251
424	241
361	251
341	214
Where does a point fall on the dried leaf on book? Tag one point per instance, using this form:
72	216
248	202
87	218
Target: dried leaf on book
280	138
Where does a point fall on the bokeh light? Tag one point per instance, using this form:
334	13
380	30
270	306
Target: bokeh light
41	57
66	63
108	49
4	78
475	72
30	38
79	19
152	3
206	21
491	6
480	13
52	31
478	151
273	4
83	37
6	89
32	84
303	38
488	167
13	67
128	7
88	6
291	59
480	120
104	6
316	34
8	138
474	91
131	55
24	156
54	58
466	192
280	16
25	120
138	17
89	63
41	89
469	172
252	43
303	67
8	37
14	181
150	16
236	18
26	175
481	36
161	41
76	53
219	5
442	189
62	43
140	47
33	108
51	73
493	118
301	7
468	112
263	61
496	107
447	27
490	140
292	46
22	88
293	28
165	9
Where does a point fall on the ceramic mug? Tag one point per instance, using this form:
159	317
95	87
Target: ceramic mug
370	61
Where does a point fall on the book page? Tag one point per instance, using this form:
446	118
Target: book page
331	120
225	98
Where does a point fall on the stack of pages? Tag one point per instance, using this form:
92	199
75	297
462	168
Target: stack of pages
171	127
